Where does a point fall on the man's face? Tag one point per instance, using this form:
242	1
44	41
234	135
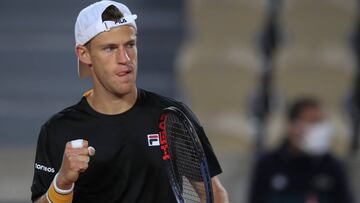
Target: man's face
307	118
113	56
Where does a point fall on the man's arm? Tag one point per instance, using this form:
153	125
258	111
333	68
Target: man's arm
220	194
75	161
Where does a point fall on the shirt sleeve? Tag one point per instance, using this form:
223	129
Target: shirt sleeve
44	170
213	162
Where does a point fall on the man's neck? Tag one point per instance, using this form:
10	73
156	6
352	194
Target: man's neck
107	103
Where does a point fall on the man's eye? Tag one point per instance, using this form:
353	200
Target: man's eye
131	45
109	49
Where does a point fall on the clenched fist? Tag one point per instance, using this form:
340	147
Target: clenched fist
75	160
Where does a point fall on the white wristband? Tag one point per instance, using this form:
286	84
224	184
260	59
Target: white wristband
61	191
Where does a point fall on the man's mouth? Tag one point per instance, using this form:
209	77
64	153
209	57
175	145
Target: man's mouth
123	73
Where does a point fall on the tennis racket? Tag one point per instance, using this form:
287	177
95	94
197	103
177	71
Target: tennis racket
184	158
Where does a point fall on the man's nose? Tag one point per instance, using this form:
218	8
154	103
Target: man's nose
123	57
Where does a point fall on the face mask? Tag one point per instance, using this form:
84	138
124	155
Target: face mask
317	138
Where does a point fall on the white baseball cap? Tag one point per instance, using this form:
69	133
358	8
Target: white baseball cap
89	23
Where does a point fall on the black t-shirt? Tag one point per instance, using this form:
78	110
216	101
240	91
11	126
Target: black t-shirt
280	176
127	166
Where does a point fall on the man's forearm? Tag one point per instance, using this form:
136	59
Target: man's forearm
221	197
220	193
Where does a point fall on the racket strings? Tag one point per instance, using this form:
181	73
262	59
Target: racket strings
185	159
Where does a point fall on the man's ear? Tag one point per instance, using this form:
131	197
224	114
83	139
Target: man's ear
83	54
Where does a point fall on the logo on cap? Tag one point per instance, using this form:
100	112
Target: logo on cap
121	21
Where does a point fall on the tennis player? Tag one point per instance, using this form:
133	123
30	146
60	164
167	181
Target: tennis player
116	119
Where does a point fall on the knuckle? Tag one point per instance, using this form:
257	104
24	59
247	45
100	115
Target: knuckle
85	166
85	151
85	143
66	156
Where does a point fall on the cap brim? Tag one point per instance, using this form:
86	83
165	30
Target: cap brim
83	70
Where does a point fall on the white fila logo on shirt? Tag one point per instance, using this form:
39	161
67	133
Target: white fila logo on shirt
153	140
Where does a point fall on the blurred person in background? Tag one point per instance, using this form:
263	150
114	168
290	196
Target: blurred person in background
302	169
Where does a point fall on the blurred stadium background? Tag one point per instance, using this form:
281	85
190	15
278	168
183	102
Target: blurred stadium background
217	56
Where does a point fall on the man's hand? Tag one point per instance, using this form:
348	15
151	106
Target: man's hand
75	160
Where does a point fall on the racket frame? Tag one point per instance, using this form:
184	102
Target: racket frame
167	154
